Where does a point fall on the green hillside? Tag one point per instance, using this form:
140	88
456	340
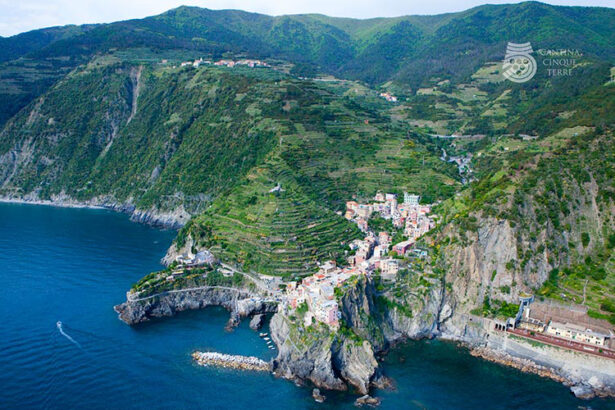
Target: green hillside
410	50
216	140
105	113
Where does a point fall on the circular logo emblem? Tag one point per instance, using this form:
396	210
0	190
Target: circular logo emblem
519	66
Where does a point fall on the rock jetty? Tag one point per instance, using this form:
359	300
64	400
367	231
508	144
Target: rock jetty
231	361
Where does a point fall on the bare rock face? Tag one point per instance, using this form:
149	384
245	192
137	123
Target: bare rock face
174	251
339	360
169	303
303	363
356	363
257	321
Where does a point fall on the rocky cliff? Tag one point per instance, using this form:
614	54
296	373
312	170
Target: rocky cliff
239	302
348	358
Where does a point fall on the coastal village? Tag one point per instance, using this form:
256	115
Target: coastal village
374	254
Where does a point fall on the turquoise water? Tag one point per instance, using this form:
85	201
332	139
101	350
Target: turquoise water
73	265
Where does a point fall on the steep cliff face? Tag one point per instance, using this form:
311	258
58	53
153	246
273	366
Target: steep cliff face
544	227
169	219
240	303
356	363
303	359
348	357
471	268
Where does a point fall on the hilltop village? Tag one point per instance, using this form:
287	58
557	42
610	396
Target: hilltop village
227	63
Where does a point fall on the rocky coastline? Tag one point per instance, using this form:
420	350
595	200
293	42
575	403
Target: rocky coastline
525	365
580	388
339	362
173	219
239	302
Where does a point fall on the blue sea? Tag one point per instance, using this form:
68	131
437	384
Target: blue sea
74	265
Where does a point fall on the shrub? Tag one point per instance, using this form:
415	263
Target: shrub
585	239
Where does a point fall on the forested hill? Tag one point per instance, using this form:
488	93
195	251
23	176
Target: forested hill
258	162
409	50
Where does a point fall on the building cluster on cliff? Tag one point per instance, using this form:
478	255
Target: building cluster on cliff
414	218
317	292
370	255
187	261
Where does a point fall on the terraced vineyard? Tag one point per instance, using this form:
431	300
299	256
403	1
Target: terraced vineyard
338	150
280	233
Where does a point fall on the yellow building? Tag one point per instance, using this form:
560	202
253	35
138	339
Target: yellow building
577	333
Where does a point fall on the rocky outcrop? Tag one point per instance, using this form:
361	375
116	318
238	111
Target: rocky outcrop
300	361
367	400
239	302
356	363
257	321
317	396
348	358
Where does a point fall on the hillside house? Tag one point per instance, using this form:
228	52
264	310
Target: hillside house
402	247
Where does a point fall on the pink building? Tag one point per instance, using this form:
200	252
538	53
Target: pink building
402	247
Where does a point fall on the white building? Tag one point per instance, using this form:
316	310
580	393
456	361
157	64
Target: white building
577	333
411	199
389	269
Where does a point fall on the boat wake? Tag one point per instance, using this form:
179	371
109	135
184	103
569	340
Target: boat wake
59	326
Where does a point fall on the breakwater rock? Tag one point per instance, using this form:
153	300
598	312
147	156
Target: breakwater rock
231	361
240	302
